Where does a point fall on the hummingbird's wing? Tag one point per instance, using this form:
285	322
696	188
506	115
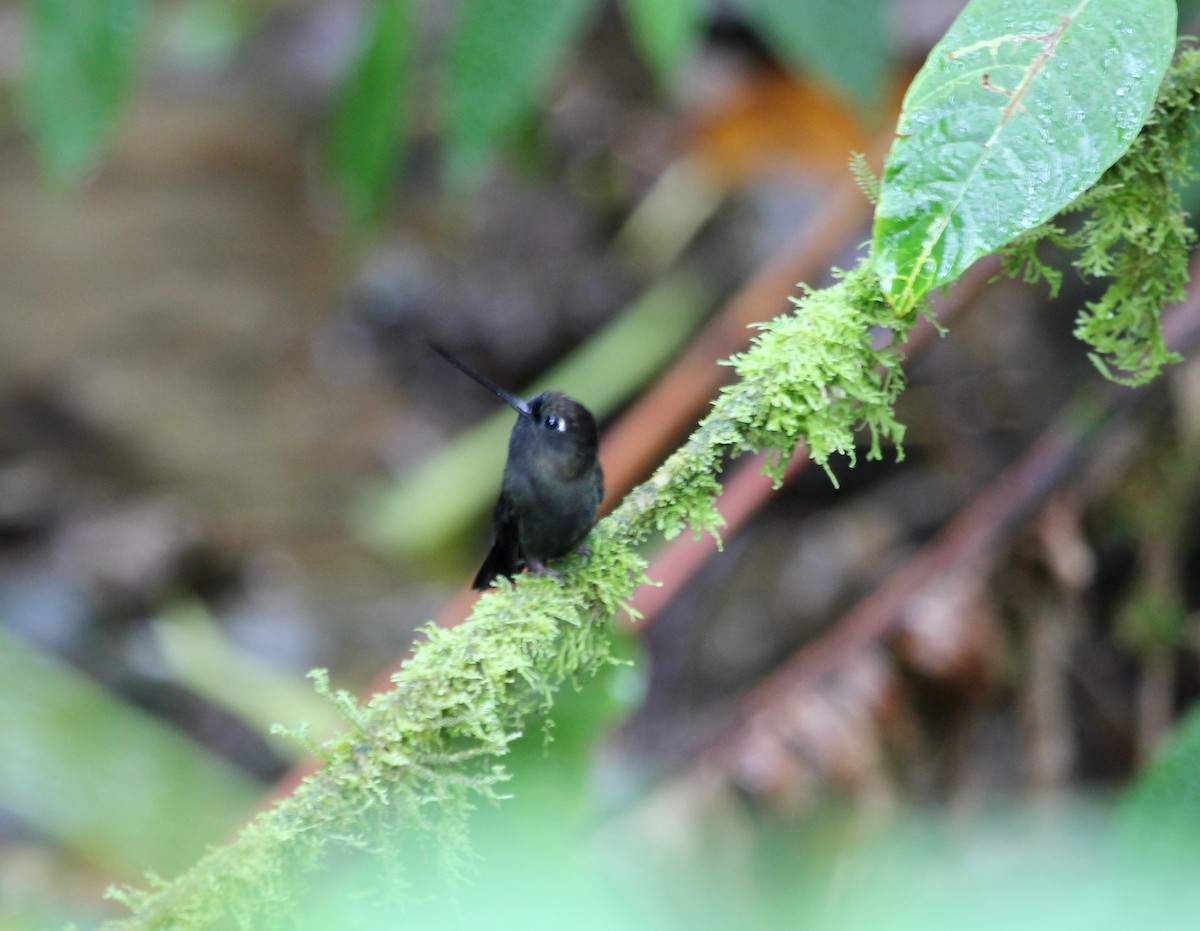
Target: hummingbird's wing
504	558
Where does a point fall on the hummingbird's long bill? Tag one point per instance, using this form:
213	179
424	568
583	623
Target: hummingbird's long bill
510	399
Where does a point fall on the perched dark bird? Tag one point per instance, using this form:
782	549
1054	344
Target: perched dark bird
552	481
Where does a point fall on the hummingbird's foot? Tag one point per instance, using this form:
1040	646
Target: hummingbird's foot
537	567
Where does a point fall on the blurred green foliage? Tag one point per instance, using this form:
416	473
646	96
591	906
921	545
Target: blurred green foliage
1038	867
81	57
499	58
668	34
1159	819
371	114
843	42
494	67
107	781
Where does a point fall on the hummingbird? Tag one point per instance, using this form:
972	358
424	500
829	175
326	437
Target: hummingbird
552	482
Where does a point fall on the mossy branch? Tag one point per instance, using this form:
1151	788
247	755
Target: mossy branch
412	762
429	748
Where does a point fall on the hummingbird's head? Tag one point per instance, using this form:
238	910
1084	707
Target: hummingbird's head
563	419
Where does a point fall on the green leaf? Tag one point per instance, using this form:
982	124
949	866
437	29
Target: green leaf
501	55
1019	109
842	41
103	778
668	34
81	56
371	113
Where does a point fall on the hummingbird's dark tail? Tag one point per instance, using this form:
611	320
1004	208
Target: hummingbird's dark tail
499	562
504	558
510	399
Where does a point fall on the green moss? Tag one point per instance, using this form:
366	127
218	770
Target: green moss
816	374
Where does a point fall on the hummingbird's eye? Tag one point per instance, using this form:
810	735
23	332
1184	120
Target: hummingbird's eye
553	422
